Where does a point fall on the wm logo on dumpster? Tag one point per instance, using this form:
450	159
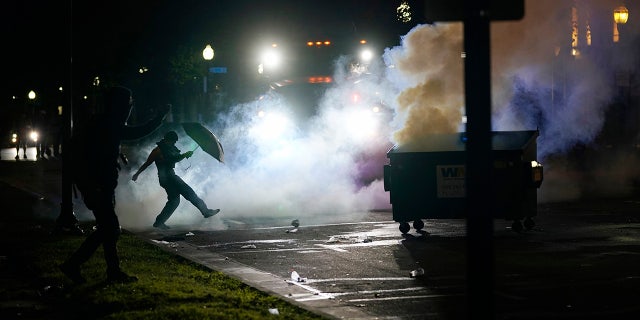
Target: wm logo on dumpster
450	181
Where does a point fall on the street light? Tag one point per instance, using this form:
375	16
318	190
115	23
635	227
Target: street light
207	54
32	97
620	16
33	134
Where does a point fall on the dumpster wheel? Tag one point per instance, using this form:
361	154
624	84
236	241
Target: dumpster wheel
516	226
404	227
418	224
529	223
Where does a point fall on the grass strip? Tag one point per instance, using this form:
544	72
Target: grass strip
169	286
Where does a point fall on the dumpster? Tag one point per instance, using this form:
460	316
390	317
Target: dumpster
426	180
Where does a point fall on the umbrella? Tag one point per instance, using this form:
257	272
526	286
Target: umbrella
205	139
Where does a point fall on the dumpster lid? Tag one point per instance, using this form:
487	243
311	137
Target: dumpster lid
501	141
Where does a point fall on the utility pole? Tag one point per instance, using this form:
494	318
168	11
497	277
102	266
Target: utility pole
477	16
67	222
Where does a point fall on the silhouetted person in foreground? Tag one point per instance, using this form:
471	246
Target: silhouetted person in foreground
165	156
95	150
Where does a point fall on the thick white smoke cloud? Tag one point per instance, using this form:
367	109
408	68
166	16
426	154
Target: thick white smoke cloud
323	173
312	175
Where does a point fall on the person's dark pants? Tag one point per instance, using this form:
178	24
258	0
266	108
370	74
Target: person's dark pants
175	187
107	231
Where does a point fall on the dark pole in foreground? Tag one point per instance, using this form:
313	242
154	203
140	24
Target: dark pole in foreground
476	16
477	73
67	221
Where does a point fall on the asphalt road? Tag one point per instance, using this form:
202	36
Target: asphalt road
580	261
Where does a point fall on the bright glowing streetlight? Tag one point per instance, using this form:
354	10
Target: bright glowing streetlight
270	60
366	55
620	16
33	134
207	54
32	97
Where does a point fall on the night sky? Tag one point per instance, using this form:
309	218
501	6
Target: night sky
45	40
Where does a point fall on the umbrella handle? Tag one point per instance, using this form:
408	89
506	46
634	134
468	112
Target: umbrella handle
198	146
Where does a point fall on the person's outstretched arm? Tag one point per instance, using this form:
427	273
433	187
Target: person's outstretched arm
150	159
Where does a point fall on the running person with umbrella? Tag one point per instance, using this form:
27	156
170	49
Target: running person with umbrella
165	155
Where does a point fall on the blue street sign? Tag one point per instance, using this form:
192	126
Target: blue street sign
218	70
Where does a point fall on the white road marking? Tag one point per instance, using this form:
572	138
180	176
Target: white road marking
426	296
235	221
326	225
380	291
317	294
337	245
361	279
331	247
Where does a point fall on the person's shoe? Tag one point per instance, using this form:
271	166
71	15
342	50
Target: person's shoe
160	225
211	213
121	277
17	157
72	272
